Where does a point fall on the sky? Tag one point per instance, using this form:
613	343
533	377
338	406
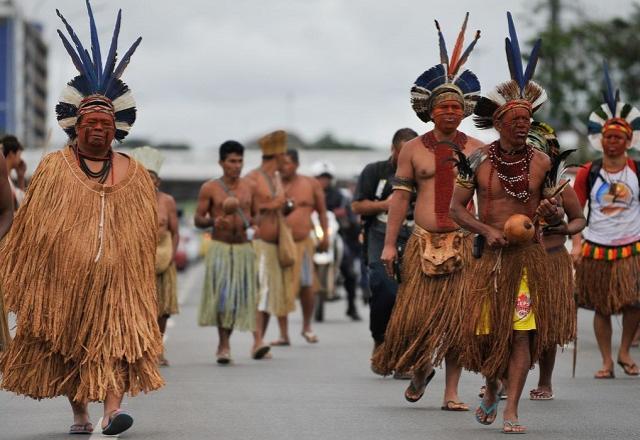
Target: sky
208	71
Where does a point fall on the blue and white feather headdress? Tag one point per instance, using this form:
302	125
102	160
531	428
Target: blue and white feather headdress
445	78
519	91
613	114
96	88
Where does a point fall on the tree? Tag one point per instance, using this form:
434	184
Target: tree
571	63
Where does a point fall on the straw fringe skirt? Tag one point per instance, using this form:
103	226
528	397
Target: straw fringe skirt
490	302
276	295
166	277
608	286
563	313
5	337
230	293
77	268
425	322
303	267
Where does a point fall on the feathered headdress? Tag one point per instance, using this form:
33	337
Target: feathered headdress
150	158
445	78
520	91
613	114
96	88
543	137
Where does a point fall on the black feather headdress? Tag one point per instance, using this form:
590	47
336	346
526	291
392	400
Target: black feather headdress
96	86
613	112
521	88
543	137
446	77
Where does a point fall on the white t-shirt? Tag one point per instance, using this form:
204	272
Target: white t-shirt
615	209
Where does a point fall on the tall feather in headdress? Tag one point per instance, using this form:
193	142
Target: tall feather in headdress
612	108
446	74
521	85
94	79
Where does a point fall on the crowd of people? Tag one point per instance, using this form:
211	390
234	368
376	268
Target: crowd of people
463	244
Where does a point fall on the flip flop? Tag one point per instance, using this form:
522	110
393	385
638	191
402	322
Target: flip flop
424	387
119	422
628	368
537	394
280	343
513	427
310	337
454	406
79	428
604	374
260	352
487	412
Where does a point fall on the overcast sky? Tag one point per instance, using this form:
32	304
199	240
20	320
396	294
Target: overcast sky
208	71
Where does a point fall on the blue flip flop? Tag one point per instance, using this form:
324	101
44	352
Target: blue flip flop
486	412
119	422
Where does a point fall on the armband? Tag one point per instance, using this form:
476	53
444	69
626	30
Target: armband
403	184
465	183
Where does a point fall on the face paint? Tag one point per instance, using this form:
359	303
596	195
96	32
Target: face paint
514	126
447	115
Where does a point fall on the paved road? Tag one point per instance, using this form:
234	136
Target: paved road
327	392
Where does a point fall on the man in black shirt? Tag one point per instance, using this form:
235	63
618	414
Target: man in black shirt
371	201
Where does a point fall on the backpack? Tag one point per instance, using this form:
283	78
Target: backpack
594	175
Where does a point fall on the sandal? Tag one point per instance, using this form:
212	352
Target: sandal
629	369
310	337
538	394
260	352
487	413
119	422
420	392
513	427
79	428
452	405
280	343
605	373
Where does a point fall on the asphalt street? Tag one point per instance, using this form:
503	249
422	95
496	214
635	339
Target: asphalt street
326	391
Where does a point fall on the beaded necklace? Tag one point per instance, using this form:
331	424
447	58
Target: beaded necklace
513	172
103	173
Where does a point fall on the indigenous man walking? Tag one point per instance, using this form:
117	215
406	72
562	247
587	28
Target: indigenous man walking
608	258
304	196
543	137
168	237
275	279
86	326
428	302
230	294
508	306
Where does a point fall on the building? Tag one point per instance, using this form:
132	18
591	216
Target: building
23	77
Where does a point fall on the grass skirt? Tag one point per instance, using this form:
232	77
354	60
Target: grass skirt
608	286
276	296
166	277
5	337
493	284
303	267
229	297
425	322
563	314
78	270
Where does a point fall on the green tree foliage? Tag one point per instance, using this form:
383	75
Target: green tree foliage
571	63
